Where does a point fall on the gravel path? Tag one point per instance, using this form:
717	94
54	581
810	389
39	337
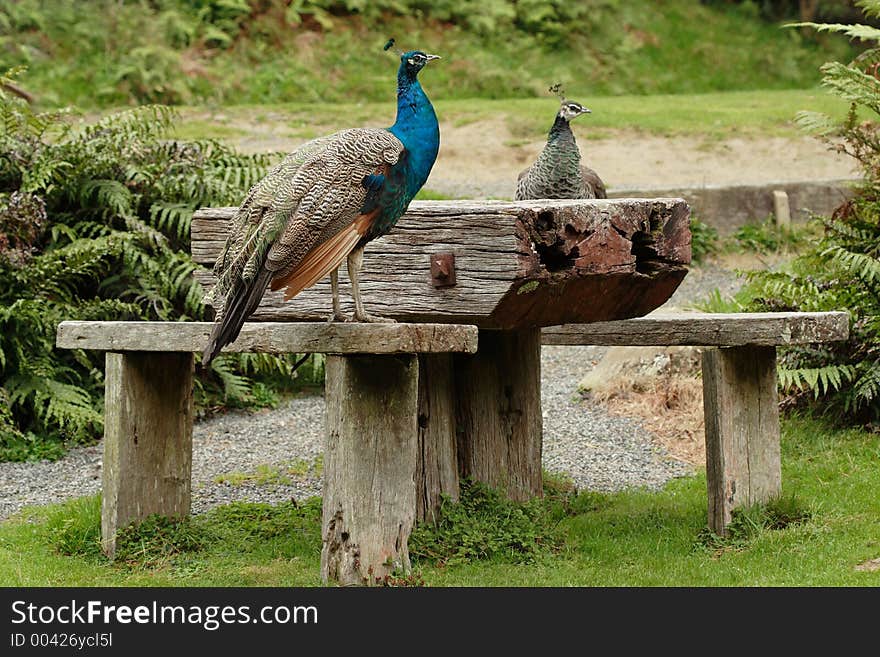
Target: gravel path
274	455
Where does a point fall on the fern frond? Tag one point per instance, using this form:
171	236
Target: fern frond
855	31
852	85
235	386
860	265
819	380
816	123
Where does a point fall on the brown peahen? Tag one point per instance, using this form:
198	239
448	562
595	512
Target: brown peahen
558	172
321	205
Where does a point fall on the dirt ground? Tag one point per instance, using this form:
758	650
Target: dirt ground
635	160
482	159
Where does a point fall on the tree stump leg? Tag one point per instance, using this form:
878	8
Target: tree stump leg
498	408
740	404
369	466
437	466
148	422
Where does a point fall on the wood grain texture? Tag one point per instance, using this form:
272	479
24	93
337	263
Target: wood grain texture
271	337
706	329
370	449
437	467
518	264
148	420
498	410
740	404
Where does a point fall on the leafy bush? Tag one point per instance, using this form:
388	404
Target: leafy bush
704	240
766	236
841	270
94	225
106	52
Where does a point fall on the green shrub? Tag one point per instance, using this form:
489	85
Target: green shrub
766	236
94	225
705	240
106	53
841	270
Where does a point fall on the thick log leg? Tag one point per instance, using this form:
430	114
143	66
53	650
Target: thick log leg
147	439
369	466
437	468
741	409
498	392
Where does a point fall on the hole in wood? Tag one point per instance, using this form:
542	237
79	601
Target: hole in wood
644	249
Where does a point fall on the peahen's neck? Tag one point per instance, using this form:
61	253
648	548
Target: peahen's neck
416	126
561	148
561	134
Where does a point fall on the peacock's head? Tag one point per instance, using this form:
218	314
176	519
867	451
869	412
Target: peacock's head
414	61
570	109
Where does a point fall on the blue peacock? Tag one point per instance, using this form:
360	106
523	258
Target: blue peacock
323	204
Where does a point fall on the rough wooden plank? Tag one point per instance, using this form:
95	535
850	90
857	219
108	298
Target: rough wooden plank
498	399
437	468
271	337
369	462
706	329
518	264
148	420
740	403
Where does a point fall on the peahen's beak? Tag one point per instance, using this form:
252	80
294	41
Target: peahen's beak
431	58
586	110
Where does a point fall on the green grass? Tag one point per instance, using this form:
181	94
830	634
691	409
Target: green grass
826	525
709	116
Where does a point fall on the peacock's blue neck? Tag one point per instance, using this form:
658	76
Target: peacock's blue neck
416	126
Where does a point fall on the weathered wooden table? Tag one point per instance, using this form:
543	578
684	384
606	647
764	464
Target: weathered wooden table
401	430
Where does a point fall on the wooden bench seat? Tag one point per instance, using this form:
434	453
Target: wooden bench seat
373	411
740	398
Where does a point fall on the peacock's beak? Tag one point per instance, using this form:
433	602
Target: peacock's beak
431	58
586	110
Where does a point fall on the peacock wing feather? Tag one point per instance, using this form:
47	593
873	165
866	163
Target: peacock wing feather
300	222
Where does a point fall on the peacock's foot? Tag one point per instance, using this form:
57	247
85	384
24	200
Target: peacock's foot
336	316
372	319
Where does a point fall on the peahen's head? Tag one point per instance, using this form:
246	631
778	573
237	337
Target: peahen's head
570	110
414	61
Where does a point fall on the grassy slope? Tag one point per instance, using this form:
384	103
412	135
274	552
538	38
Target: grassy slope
635	538
101	53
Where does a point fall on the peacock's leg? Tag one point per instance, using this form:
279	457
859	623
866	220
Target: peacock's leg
336	314
355	260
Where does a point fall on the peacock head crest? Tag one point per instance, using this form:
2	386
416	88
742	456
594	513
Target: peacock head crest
568	109
410	62
415	60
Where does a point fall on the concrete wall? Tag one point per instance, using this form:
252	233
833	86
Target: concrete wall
729	207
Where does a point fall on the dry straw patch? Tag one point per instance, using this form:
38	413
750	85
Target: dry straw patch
670	406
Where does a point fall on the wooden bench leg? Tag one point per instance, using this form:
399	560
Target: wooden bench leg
148	425
741	409
437	459
369	466
498	393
